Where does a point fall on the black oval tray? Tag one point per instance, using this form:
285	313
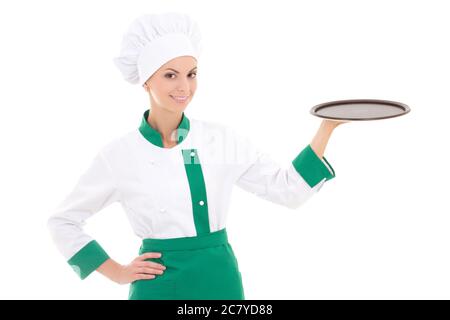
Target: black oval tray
359	109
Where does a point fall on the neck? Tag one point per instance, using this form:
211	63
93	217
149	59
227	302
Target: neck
164	122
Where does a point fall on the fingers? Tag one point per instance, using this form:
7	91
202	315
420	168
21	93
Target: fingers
141	273
150	264
142	276
149	270
143	269
148	255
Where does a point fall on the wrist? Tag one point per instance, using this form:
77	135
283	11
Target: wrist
116	272
329	125
111	269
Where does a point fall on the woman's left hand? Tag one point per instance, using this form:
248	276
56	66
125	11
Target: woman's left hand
334	123
320	140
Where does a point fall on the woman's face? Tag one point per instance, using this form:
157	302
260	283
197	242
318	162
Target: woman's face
175	79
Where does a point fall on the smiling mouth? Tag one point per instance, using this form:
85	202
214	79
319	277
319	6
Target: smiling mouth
180	98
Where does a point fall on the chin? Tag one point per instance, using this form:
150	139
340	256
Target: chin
179	106
177	109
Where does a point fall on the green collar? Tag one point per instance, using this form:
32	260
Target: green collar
154	136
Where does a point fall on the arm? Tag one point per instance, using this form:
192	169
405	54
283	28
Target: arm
110	269
320	140
94	190
291	186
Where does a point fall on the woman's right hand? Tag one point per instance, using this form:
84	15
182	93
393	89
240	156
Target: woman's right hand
138	269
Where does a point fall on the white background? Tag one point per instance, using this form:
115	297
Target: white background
378	230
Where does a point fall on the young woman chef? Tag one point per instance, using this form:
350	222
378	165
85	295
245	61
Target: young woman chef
174	175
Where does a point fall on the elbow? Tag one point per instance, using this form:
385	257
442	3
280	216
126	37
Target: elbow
50	223
56	225
291	200
295	202
52	226
294	205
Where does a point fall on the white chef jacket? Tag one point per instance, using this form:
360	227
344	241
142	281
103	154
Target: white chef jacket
181	191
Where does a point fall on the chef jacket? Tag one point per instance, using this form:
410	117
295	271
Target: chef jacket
182	191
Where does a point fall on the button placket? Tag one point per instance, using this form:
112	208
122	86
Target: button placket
197	189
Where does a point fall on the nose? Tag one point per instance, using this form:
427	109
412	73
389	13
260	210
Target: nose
183	86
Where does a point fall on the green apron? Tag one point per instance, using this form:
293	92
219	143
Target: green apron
202	267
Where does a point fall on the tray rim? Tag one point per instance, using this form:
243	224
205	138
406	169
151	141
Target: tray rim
400	105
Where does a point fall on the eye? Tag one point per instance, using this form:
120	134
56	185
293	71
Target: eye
168	75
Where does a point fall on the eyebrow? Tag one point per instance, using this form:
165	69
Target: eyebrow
177	71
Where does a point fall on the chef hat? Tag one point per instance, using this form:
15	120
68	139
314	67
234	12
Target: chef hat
154	39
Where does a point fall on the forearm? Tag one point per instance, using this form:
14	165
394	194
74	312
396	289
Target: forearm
320	140
110	269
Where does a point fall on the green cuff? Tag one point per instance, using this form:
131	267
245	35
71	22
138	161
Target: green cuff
311	167
88	259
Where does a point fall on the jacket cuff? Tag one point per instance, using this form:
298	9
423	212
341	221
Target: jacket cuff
88	259
311	167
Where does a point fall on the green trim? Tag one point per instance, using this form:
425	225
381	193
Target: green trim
330	167
154	136
88	259
198	190
311	167
203	241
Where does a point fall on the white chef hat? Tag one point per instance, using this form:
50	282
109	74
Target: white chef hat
154	39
